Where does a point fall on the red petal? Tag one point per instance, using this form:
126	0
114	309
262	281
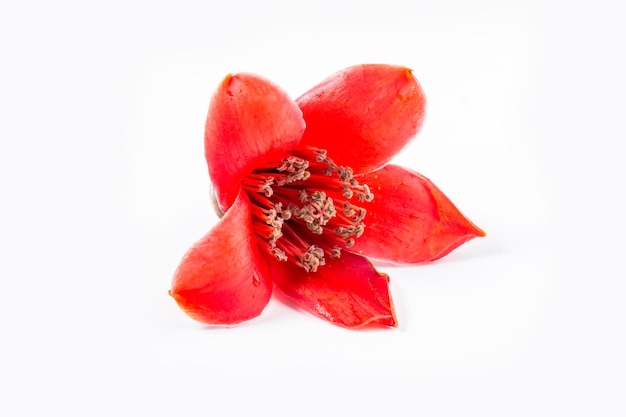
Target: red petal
216	282
410	219
347	291
363	115
250	119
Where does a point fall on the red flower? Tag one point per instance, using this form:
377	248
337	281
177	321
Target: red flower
307	197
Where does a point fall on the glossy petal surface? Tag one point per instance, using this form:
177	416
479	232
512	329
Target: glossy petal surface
363	115
411	220
216	282
347	291
250	119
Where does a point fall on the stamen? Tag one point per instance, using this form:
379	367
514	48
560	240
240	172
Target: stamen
359	218
346	191
279	254
345	232
293	164
313	258
348	211
284	213
295	200
271	216
345	173
366	195
304	197
317	213
266	187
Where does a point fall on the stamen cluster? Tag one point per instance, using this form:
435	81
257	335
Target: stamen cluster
303	207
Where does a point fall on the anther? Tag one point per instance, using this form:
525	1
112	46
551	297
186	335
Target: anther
313	258
266	187
293	164
348	211
303	196
359	218
369	196
346	191
345	173
279	253
271	216
366	194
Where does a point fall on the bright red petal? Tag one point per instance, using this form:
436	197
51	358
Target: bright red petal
363	115
216	281
347	291
250	119
410	219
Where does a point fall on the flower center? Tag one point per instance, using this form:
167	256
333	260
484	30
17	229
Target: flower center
306	208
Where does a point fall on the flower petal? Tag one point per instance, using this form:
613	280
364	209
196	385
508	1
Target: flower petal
363	115
249	119
347	291
216	281
410	219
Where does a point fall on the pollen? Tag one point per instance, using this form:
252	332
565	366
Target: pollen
305	208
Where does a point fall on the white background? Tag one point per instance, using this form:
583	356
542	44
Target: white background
104	187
